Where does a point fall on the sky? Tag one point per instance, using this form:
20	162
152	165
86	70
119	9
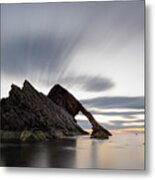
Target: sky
94	49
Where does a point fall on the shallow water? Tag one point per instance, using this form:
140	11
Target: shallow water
121	151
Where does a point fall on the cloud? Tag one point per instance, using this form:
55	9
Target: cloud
115	102
46	42
117	124
120	124
126	121
126	114
97	84
41	38
29	54
84	82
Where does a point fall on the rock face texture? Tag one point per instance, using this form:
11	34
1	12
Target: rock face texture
28	115
34	116
67	101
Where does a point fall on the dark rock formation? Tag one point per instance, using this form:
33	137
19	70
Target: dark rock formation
27	115
33	116
63	98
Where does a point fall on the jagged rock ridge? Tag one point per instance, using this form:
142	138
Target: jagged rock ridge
30	111
28	115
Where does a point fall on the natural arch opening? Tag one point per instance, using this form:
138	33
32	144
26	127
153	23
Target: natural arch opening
83	122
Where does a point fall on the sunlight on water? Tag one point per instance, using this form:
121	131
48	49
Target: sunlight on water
120	152
123	150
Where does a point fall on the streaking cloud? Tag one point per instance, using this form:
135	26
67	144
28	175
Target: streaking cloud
48	42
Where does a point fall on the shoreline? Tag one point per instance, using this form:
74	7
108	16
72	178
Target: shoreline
120	151
38	136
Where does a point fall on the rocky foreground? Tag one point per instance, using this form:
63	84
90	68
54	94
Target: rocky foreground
28	115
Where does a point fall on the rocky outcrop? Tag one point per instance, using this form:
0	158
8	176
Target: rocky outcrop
28	115
67	101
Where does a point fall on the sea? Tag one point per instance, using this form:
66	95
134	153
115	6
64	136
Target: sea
124	150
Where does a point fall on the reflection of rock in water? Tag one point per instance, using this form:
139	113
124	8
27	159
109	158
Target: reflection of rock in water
63	154
17	155
47	154
81	152
87	153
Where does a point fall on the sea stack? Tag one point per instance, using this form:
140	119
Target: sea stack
28	115
67	101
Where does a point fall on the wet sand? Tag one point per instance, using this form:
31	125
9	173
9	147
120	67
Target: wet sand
123	150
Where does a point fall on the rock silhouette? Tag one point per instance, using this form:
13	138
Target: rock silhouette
28	115
63	98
